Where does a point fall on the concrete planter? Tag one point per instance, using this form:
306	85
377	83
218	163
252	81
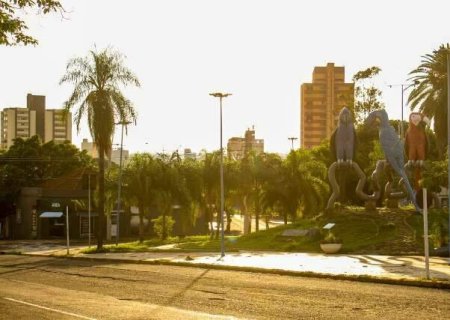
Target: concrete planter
330	247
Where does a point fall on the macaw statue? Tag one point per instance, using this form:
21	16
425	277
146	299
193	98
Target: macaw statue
343	139
416	143
392	147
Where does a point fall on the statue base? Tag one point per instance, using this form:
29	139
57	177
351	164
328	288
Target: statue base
370	205
392	203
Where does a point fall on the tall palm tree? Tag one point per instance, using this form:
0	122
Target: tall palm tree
97	95
430	95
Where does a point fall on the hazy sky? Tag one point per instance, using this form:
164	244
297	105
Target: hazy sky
261	51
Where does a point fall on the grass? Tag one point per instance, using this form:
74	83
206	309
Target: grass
386	231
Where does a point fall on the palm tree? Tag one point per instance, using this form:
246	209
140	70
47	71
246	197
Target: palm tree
97	78
138	176
211	188
430	95
300	186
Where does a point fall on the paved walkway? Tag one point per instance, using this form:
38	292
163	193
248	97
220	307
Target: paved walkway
391	267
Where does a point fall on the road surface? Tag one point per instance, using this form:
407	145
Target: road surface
51	288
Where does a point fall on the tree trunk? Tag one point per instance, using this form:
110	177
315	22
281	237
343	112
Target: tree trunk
141	222
164	229
219	225
257	209
247	216
228	229
267	222
285	218
210	221
101	198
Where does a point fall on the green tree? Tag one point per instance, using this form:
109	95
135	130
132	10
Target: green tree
12	25
300	188
138	178
367	95
211	187
171	191
191	171
430	95
97	79
28	163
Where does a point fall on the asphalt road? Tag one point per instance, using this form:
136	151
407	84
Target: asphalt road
49	288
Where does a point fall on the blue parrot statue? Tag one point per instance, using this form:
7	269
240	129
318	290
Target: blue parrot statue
392	147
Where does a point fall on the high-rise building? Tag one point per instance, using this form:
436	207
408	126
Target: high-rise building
58	125
33	120
321	102
238	147
37	104
17	123
90	148
115	156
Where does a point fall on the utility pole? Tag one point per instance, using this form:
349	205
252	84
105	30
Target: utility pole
123	123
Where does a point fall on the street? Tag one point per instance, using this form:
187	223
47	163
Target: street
52	288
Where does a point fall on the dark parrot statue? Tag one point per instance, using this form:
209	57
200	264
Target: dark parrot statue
343	139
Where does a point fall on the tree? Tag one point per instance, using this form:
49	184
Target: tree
430	94
97	79
138	178
28	163
171	191
366	94
13	27
211	188
300	185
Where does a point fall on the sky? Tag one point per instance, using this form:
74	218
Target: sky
261	51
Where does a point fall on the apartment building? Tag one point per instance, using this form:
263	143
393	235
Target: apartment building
320	103
90	148
238	147
58	125
51	124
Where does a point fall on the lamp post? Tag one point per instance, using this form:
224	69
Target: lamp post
122	123
404	86
292	141
222	197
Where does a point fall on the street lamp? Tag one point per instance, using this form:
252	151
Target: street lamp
222	200
292	141
122	123
404	86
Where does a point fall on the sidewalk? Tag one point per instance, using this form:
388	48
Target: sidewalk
352	266
410	268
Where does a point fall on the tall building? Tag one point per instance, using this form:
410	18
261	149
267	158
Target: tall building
115	156
37	103
33	120
90	148
238	147
321	102
17	123
58	125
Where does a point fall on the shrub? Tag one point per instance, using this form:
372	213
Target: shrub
330	238
158	225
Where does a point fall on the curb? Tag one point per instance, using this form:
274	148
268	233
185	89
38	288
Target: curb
434	284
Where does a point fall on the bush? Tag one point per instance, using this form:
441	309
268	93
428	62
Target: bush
158	226
330	238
